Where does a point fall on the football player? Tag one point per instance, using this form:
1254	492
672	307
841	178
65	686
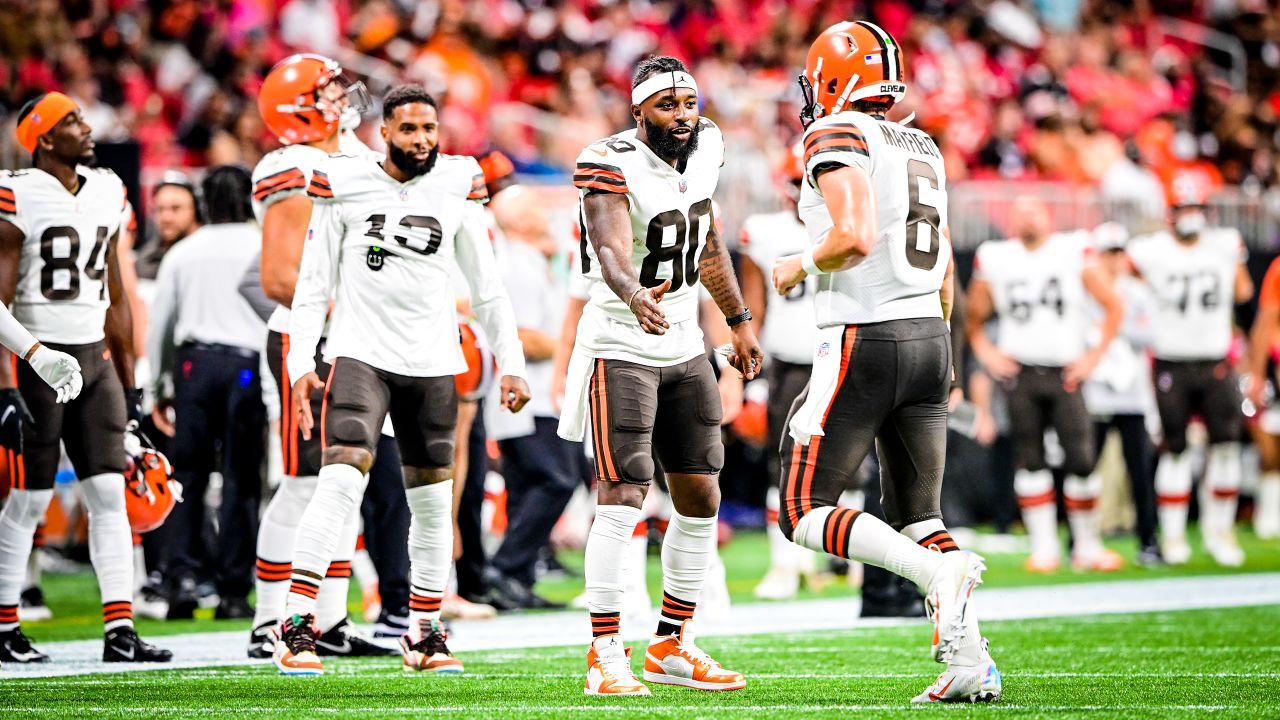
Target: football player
310	131
787	328
1038	284
59	221
1262	347
874	201
647	241
382	241
1198	275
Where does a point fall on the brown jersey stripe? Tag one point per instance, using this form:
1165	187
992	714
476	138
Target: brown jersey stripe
595	184
834	146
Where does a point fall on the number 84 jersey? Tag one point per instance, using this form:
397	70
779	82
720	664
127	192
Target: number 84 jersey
901	277
62	292
670	214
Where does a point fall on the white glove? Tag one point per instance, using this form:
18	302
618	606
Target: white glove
59	370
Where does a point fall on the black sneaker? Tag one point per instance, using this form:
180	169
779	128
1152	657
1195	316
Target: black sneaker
343	640
262	641
124	645
1149	557
31	605
16	647
391	625
183	600
233	608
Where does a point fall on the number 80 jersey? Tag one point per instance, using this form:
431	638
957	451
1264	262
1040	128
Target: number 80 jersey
901	277
62	292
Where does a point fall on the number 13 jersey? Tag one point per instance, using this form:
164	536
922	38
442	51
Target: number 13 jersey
901	277
62	294
670	216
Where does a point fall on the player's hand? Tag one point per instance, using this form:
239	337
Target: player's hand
985	430
1077	372
730	397
59	370
788	272
13	412
302	391
644	305
160	415
133	404
1256	391
998	365
747	357
515	393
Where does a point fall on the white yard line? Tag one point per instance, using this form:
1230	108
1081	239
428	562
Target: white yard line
201	650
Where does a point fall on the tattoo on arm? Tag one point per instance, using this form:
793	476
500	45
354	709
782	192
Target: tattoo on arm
715	268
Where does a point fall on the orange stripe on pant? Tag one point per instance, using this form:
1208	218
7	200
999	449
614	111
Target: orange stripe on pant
605	450
805	498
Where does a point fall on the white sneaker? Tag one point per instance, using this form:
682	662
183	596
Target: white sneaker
609	669
961	683
148	603
779	583
1175	550
947	599
1224	549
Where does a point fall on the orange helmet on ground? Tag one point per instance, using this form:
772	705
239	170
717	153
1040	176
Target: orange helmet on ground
850	61
150	492
474	383
290	101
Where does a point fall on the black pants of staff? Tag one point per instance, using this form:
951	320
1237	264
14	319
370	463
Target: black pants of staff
470	567
541	475
1139	460
386	527
220	424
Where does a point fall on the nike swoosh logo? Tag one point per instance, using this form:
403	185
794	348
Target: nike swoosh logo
22	656
342	649
938	696
601	153
128	655
7	412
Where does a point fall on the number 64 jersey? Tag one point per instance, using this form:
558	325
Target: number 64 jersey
901	277
62	292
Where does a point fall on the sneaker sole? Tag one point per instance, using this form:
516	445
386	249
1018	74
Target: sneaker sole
432	671
634	693
296	672
664	679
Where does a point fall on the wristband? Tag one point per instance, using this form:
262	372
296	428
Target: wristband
633	297
740	318
809	264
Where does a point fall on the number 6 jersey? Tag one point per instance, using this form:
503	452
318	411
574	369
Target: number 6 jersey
62	292
670	217
901	277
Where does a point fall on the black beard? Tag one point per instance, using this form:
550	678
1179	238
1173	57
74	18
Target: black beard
408	165
668	146
88	158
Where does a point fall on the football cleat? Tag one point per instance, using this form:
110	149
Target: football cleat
1104	561
609	669
343	640
391	625
780	583
966	684
295	651
124	645
947	599
1175	550
1224	549
150	603
1043	564
31	606
16	647
262	641
430	653
677	660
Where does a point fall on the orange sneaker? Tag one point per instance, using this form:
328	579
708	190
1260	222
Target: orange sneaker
295	651
676	660
1042	564
609	669
429	653
1104	561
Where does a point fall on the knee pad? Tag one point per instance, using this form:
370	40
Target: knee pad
103	493
635	464
440	452
715	455
27	507
351	429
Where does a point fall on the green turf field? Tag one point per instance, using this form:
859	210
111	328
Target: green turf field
78	610
1176	665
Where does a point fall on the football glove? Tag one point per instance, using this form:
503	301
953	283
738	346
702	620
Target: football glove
59	370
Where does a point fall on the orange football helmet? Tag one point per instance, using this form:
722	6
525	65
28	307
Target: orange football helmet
290	101
150	492
474	382
850	61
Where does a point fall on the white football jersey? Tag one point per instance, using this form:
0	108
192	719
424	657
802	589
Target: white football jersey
384	251
1195	285
789	322
62	294
901	277
283	173
1039	297
670	218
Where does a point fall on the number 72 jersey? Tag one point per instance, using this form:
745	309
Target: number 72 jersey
901	277
62	292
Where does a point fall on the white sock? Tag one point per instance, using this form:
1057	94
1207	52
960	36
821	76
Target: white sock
339	489
1034	489
110	547
277	533
868	540
635	574
686	557
331	606
782	554
1223	483
1081	495
1266	510
604	572
139	569
22	513
430	550
1173	494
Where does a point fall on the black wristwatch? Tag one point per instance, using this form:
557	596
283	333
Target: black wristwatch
740	318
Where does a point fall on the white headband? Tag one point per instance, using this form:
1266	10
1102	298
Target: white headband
662	81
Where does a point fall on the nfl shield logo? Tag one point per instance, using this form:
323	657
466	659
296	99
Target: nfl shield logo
683	185
824	349
404	194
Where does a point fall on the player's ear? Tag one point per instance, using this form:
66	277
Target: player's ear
386	134
635	113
